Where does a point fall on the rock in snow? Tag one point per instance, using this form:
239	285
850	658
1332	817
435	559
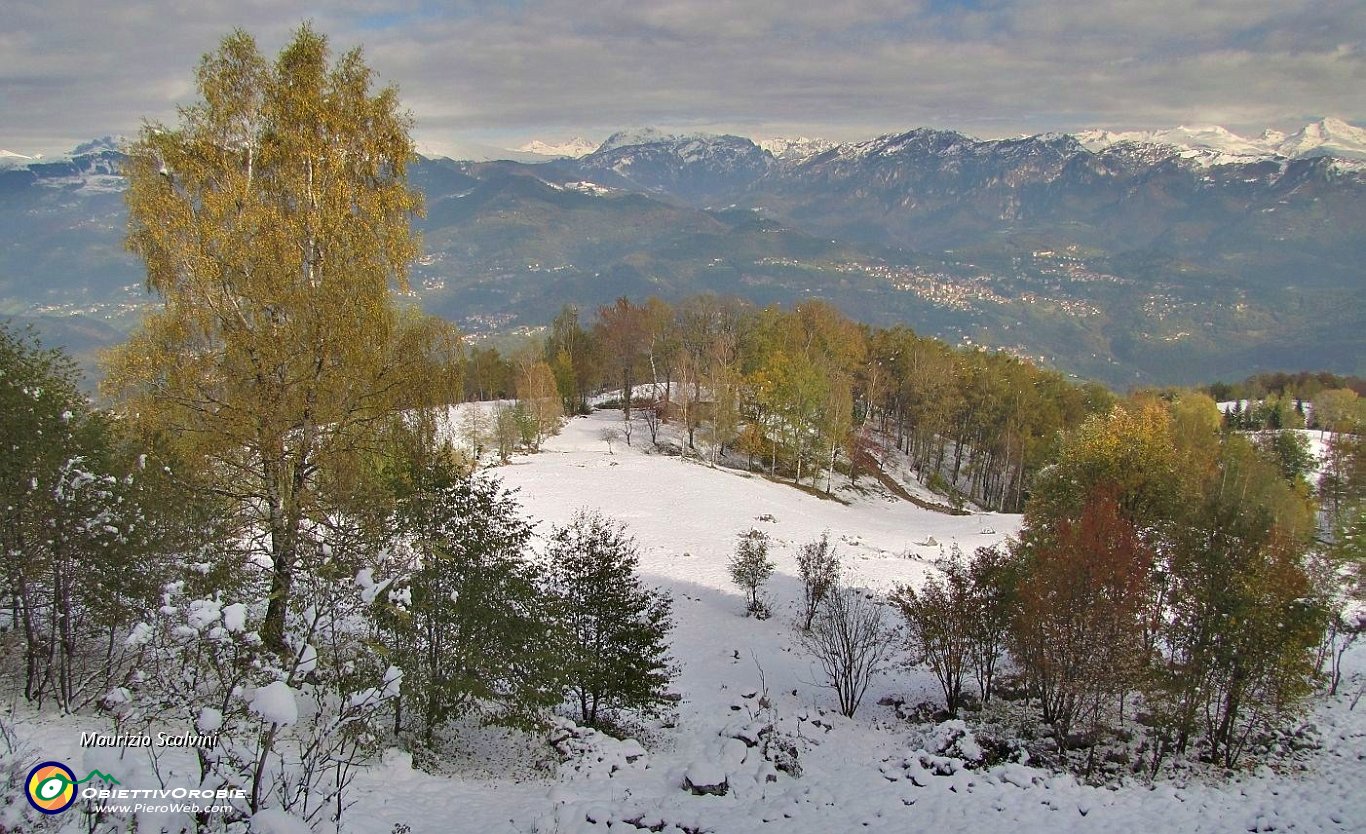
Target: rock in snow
706	778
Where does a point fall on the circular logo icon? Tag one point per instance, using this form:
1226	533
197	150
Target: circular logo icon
51	787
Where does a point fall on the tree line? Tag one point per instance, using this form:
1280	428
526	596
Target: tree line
1167	570
804	393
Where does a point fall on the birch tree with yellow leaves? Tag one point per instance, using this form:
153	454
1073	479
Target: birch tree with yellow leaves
274	223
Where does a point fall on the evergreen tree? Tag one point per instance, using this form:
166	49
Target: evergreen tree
616	629
1291	453
469	624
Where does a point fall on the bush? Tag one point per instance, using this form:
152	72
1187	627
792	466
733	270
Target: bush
850	640
750	568
1078	630
940	618
819	567
958	625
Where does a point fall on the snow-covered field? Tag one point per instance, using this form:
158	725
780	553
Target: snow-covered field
874	773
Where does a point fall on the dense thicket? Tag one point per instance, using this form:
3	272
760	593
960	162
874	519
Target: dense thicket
86	531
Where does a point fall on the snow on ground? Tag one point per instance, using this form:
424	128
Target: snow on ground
875	773
871	773
687	515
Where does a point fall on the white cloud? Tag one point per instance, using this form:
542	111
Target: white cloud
558	67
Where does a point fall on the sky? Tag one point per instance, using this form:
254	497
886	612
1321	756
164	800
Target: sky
502	73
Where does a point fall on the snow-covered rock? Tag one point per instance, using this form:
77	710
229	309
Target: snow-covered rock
706	778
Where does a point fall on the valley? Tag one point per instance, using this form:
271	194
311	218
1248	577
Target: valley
1104	259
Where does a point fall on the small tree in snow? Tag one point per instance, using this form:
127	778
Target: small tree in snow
940	618
959	624
992	575
476	429
506	431
653	414
616	652
819	567
626	424
850	640
750	568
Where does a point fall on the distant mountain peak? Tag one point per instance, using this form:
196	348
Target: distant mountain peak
635	136
572	148
1326	137
685	144
795	147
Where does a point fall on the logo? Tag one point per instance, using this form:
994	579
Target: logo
52	786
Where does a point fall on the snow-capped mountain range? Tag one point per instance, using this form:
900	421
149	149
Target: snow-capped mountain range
1213	145
650	212
1202	144
799	147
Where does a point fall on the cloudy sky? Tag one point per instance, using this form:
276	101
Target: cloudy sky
503	73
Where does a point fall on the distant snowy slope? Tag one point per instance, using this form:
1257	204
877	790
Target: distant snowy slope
1329	137
799	147
570	148
690	514
1214	145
